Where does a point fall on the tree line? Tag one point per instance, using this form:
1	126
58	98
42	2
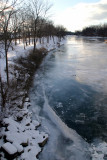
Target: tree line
95	30
26	21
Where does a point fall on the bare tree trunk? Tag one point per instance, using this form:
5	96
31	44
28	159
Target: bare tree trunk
7	69
23	36
26	39
36	40
2	94
32	40
35	35
34	44
29	36
6	54
19	36
40	40
15	38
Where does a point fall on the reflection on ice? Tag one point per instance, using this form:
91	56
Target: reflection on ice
73	83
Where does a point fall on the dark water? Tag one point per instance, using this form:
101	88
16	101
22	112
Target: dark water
75	82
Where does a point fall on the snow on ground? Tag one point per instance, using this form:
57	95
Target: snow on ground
19	135
22	137
19	50
8	147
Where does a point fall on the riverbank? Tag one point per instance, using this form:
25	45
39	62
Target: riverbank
21	122
19	136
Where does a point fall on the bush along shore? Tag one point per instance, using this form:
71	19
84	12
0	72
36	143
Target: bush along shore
19	137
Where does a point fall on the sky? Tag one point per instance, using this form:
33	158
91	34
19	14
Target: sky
76	14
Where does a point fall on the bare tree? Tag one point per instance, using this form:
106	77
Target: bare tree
6	13
3	92
38	9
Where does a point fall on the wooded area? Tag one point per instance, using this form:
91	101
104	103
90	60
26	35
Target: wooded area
95	30
27	22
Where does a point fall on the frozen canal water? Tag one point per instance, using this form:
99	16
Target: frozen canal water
70	91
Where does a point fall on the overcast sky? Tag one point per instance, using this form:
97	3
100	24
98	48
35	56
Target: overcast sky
76	14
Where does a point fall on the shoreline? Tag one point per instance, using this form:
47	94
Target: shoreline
21	116
24	117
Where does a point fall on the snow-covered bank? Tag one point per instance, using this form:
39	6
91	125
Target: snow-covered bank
18	50
19	135
63	143
21	138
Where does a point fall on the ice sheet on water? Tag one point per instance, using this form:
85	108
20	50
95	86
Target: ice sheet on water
64	143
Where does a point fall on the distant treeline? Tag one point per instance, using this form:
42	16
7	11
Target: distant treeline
69	33
97	30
